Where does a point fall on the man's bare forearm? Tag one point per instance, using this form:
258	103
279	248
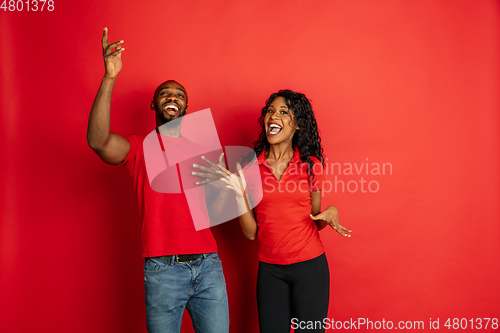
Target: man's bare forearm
219	204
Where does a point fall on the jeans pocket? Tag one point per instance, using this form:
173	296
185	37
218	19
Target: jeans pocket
214	257
155	266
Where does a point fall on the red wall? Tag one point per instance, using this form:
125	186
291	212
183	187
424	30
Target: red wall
410	83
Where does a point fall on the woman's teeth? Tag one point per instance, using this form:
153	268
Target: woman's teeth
274	129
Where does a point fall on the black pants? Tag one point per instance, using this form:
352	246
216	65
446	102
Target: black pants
298	290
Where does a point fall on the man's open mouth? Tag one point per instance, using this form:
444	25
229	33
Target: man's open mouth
171	108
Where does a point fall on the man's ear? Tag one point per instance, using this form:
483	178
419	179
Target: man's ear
152	106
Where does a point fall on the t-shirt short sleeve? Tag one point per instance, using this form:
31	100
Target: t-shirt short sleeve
130	161
318	177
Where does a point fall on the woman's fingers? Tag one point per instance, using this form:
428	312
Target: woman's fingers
344	228
243	182
334	224
317	217
341	230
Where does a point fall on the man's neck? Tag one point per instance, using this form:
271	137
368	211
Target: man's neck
171	128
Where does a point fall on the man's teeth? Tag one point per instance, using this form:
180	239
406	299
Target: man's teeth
171	106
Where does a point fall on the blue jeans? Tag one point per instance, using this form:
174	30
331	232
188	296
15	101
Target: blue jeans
198	286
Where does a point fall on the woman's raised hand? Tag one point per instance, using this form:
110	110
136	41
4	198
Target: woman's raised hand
235	183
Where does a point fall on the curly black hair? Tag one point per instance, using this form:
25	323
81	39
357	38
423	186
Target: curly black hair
306	138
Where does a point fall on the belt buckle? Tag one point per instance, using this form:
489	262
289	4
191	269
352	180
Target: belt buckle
181	262
193	258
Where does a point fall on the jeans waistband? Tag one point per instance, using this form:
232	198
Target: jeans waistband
184	257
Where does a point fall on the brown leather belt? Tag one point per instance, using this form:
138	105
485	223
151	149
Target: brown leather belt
183	257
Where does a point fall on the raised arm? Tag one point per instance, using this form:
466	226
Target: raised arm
112	148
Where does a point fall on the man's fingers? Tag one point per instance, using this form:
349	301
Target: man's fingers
210	170
205	175
221	159
117	46
202	167
223	171
115	53
105	39
211	181
209	162
206	181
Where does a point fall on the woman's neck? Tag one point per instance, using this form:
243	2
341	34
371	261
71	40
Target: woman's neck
281	152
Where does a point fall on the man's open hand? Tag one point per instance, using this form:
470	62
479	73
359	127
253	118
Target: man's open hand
112	54
213	174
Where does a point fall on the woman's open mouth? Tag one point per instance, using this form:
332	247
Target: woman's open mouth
274	129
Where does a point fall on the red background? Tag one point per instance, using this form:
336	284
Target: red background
411	83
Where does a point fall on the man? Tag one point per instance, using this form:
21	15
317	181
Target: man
182	268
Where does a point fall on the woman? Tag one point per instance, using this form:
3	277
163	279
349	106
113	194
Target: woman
293	279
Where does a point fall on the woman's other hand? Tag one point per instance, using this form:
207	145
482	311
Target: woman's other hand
331	217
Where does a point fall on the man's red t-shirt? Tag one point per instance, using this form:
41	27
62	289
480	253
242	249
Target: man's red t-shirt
286	233
167	225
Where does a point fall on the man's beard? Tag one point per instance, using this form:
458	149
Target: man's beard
164	120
